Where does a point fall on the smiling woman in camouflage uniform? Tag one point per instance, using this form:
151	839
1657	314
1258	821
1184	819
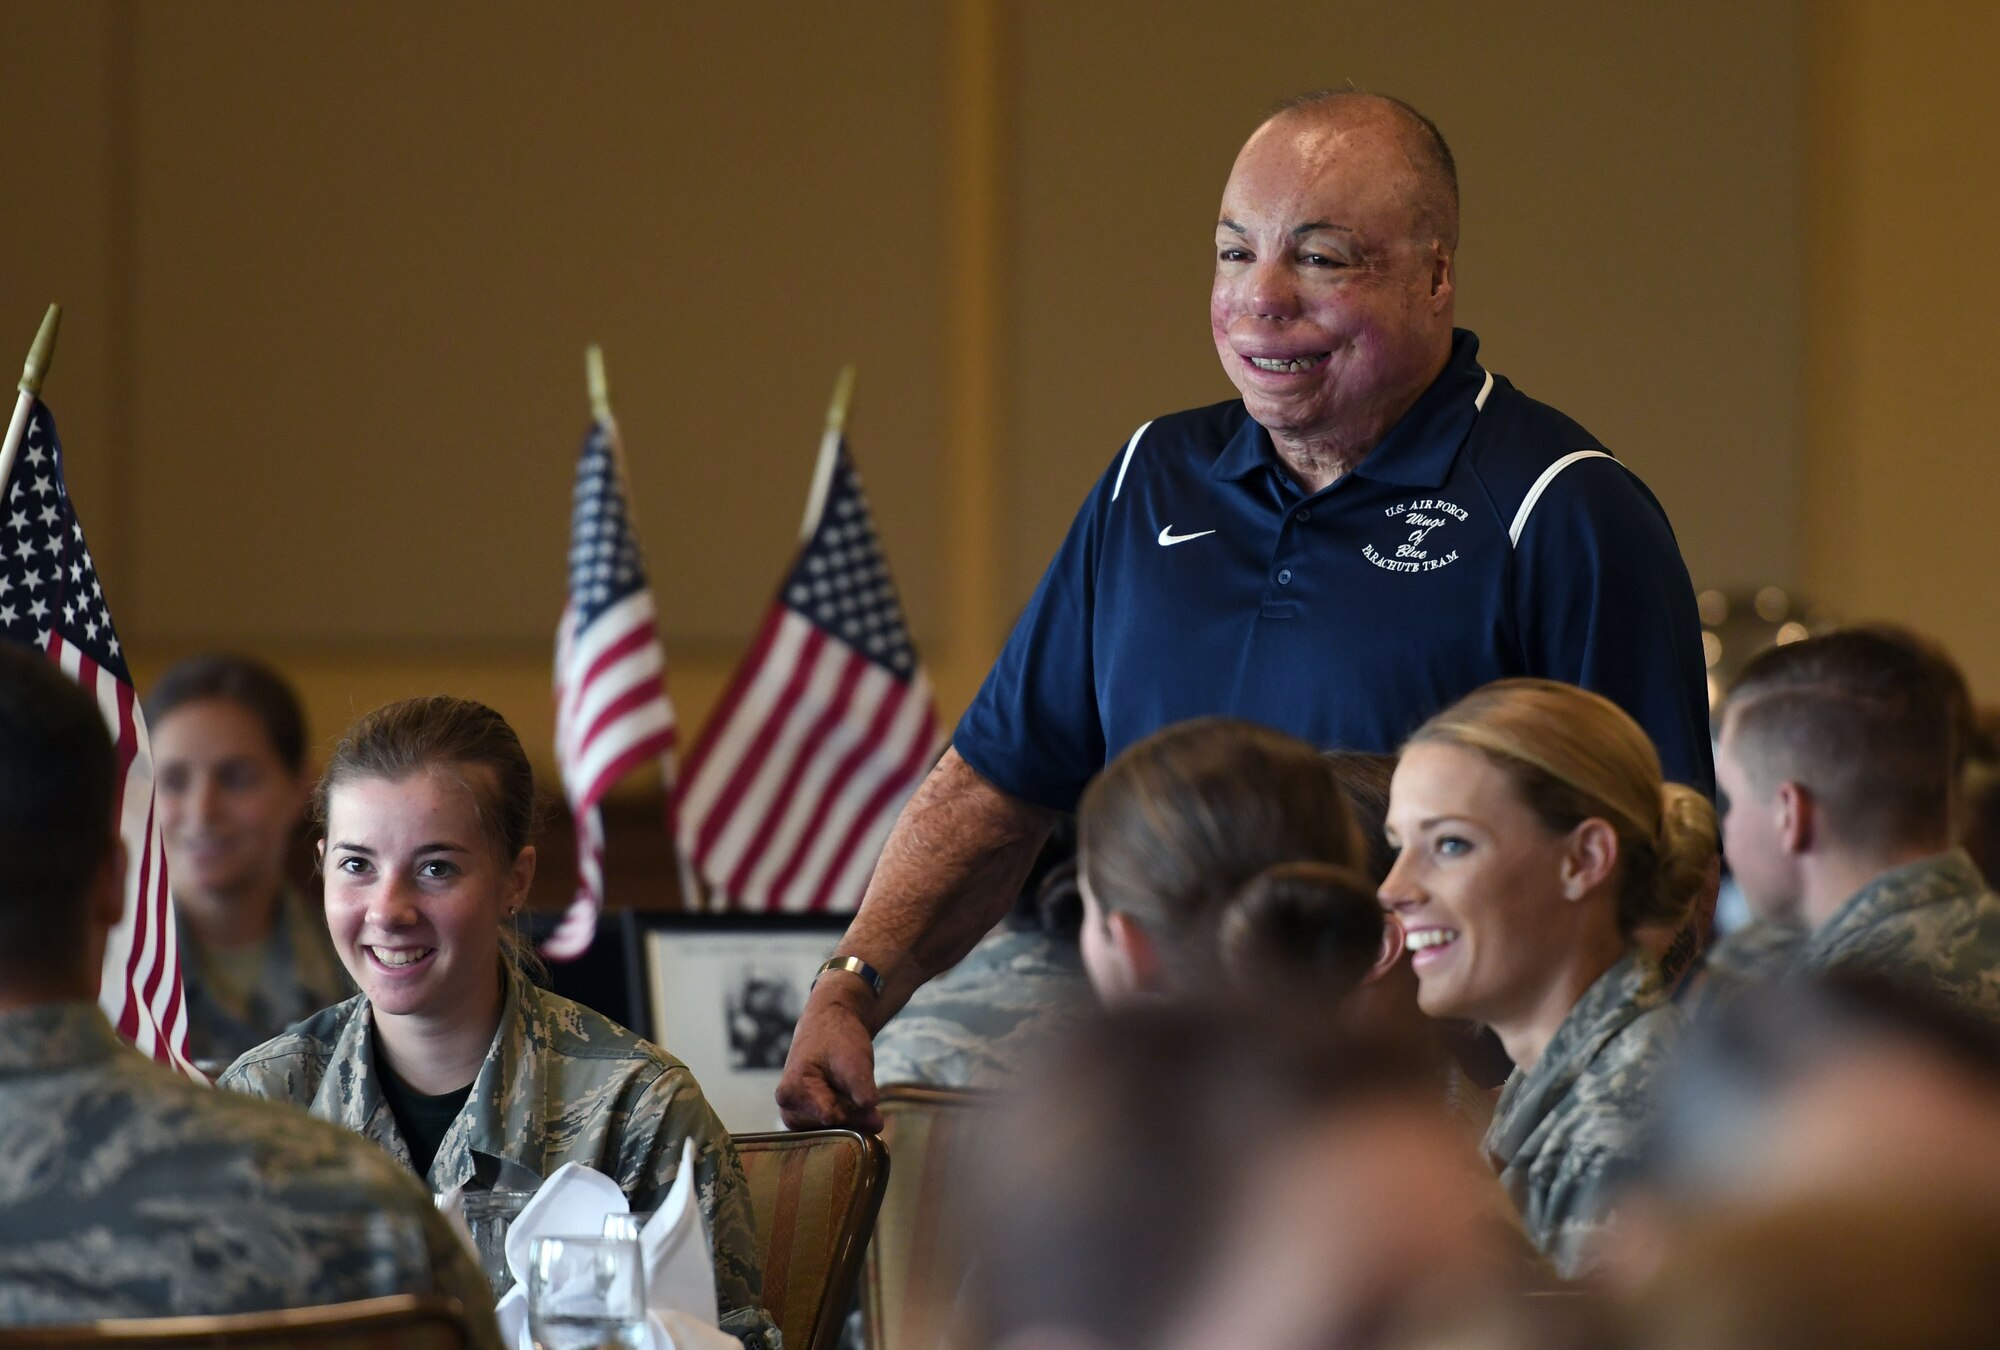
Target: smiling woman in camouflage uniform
427	806
1536	838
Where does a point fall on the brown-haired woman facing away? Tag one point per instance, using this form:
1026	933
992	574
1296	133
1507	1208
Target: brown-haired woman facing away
1175	825
1536	839
428	806
229	760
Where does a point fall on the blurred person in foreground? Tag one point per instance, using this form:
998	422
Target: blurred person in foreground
449	1049
1537	838
1379	524
127	1190
1837	763
229	753
1829	1273
1203	1175
972	1026
1853	1084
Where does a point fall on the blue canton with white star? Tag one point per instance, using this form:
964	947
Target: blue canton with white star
604	564
841	581
47	581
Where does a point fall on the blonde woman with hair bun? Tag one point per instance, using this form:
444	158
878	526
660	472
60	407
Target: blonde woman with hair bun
1536	840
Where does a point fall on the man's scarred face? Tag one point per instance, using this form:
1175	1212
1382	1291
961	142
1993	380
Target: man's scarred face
1329	312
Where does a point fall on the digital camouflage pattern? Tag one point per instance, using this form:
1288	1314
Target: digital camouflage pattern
1758	953
1564	1127
127	1190
301	974
971	1026
560	1084
1931	923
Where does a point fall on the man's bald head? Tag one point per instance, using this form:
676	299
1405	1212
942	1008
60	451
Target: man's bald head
1434	173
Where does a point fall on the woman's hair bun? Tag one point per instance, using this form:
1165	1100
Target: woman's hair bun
1302	923
1684	854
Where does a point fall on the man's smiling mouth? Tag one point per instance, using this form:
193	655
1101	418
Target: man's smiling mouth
1287	365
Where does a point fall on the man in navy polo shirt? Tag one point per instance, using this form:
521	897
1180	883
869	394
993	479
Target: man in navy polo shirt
1377	526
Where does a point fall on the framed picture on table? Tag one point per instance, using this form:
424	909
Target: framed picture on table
725	993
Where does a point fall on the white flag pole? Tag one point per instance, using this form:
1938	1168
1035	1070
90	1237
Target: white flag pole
39	355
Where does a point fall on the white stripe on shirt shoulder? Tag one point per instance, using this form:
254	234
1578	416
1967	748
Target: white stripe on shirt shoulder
1479	399
1541	486
1126	462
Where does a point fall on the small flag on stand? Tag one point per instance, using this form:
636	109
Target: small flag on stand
612	711
51	600
828	725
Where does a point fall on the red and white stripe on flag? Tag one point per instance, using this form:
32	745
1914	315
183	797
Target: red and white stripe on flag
612	710
141	989
825	731
812	757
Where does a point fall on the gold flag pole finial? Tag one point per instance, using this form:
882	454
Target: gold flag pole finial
600	387
41	353
829	451
843	394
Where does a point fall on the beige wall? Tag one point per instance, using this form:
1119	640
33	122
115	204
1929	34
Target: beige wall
328	273
1903	472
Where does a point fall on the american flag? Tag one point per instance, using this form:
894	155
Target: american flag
51	600
826	729
612	712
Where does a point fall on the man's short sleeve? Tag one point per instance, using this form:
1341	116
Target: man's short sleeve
1034	729
1603	600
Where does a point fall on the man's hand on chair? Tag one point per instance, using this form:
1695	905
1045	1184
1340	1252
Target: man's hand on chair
829	1077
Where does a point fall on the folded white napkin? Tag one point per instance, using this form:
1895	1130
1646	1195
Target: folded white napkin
680	1269
673	1247
571	1203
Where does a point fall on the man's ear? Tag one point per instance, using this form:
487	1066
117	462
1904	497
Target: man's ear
1444	274
1798	817
1139	956
1589	858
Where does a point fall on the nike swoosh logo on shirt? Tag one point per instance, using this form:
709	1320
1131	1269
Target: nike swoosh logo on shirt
1168	537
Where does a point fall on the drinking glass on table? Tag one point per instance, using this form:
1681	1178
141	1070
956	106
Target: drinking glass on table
585	1293
627	1225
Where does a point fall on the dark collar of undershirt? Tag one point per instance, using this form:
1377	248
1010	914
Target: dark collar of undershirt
422	1119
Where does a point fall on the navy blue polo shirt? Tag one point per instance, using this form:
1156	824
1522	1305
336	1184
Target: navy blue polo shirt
1486	536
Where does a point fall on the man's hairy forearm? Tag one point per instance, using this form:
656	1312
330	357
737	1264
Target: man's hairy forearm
949	870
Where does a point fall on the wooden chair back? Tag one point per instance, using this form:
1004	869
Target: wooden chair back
815	1194
916	1266
397	1322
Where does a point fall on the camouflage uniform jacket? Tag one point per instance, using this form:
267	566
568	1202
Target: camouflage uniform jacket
1931	922
127	1190
1758	953
560	1084
301	975
970	1027
1563	1126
